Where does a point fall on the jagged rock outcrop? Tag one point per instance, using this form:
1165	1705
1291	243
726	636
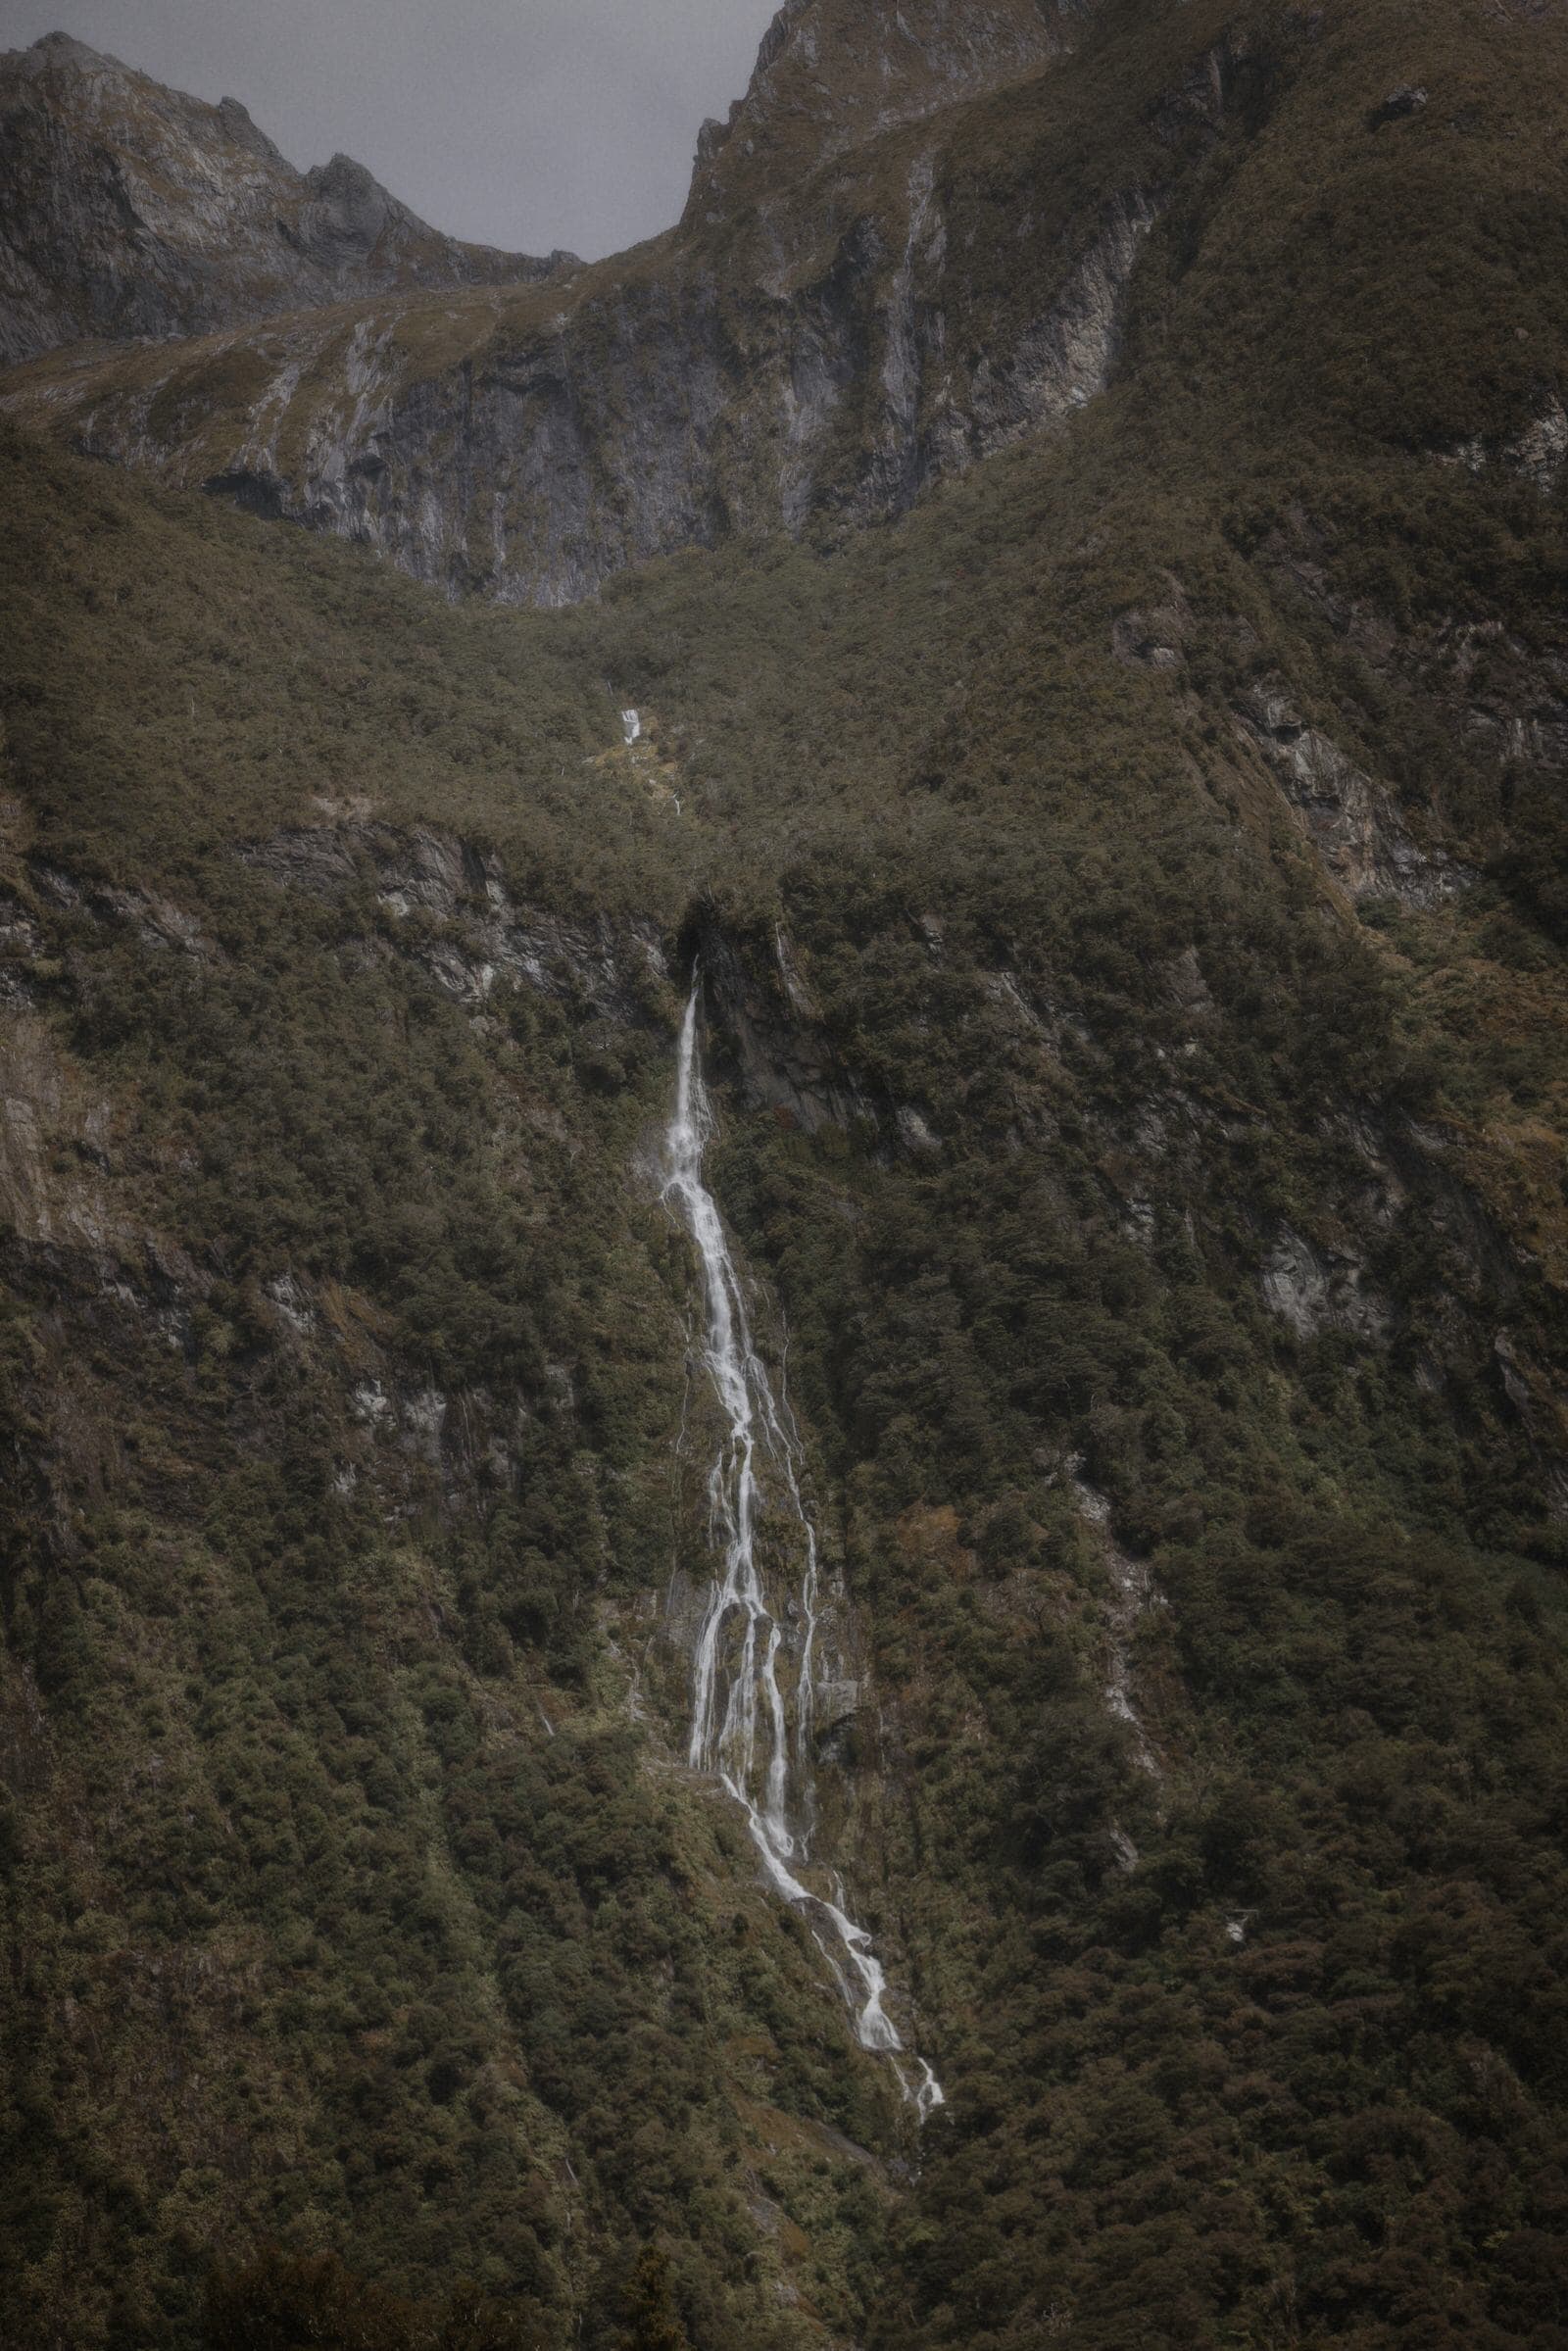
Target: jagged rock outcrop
463	923
1314	1290
820	357
1352	822
1536	452
127	209
833	74
771	1044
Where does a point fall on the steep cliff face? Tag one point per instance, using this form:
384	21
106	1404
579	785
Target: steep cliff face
130	210
948	225
831	76
822	357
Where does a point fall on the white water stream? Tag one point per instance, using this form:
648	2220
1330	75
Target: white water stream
740	1710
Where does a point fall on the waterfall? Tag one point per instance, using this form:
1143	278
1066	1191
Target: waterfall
740	1710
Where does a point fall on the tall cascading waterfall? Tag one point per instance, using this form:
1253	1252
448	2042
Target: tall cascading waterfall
739	1715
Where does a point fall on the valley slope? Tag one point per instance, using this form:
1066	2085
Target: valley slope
1120	841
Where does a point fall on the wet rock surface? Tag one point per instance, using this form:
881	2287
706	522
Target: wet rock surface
768	1040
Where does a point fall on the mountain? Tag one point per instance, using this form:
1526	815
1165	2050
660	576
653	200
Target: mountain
127	209
764	366
782	1315
927	283
884	68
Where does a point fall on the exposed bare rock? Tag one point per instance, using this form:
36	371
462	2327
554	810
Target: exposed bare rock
1064	358
1184	979
127	209
1350	820
157	920
1400	105
1315	1291
1538	452
473	932
529	447
771	1050
1154	636
825	354
1133	1594
19	946
833	74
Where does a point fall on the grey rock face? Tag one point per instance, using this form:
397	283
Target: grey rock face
1538	453
1313	1290
562	437
1155	636
768	1040
832	74
1408	99
473	933
783	359
128	209
1350	820
1064	358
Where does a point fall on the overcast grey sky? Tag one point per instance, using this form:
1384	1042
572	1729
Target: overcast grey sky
527	123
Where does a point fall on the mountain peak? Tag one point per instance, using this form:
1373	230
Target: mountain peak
832	74
128	209
239	127
63	47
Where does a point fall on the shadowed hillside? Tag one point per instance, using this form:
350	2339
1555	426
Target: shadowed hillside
1123	885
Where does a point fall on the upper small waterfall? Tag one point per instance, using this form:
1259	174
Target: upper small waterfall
748	1671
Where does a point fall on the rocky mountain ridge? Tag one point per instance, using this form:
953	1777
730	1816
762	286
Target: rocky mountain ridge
918	240
821	358
127	209
831	76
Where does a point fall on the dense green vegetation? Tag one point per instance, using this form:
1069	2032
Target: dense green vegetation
338	1821
376	1974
